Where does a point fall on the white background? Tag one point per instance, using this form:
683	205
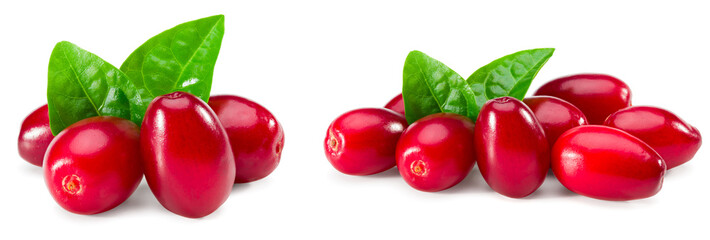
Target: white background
310	61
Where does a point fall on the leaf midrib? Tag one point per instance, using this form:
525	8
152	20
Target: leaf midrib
527	73
416	59
507	92
182	68
76	77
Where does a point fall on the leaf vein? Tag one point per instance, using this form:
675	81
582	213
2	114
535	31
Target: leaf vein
438	104
204	40
76	77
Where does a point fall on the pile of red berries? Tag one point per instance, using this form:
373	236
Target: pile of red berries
191	153
582	126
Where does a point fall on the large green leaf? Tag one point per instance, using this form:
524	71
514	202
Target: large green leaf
82	85
430	87
510	75
179	59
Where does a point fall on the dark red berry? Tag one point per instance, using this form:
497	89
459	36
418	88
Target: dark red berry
436	152
674	139
512	151
597	95
188	162
396	104
607	163
94	164
555	115
35	136
256	137
363	141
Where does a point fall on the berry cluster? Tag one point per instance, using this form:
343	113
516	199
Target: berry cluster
582	126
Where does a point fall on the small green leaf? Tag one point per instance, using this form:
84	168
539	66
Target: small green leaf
179	59
82	85
507	76
430	87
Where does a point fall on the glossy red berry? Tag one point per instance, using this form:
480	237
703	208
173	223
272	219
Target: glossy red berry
35	136
672	138
363	141
94	165
607	163
396	104
555	115
436	152
188	162
597	95
511	148
254	134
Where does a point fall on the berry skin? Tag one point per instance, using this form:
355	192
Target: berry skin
35	136
674	139
512	150
256	137
94	164
436	152
189	165
396	104
607	163
363	141
555	115
597	95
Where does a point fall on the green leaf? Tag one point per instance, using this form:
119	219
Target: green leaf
507	76
82	85
431	87
179	59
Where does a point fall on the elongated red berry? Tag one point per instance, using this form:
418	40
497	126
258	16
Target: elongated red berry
511	148
674	139
188	162
607	163
597	95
